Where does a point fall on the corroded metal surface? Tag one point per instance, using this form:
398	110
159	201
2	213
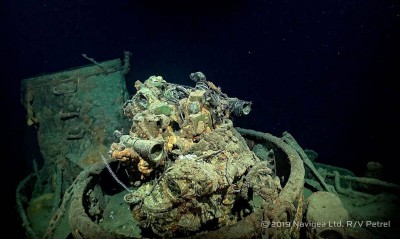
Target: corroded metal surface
286	207
73	113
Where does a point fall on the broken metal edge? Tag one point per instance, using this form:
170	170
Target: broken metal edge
86	70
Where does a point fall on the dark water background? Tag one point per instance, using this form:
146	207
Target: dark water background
323	70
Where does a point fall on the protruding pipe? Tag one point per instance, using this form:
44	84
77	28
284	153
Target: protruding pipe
198	76
239	107
150	150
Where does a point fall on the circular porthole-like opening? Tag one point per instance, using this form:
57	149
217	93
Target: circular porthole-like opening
155	152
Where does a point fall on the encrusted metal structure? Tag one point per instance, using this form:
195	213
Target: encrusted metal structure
204	178
175	166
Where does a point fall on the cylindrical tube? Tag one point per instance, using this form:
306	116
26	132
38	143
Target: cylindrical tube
239	107
150	150
198	76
